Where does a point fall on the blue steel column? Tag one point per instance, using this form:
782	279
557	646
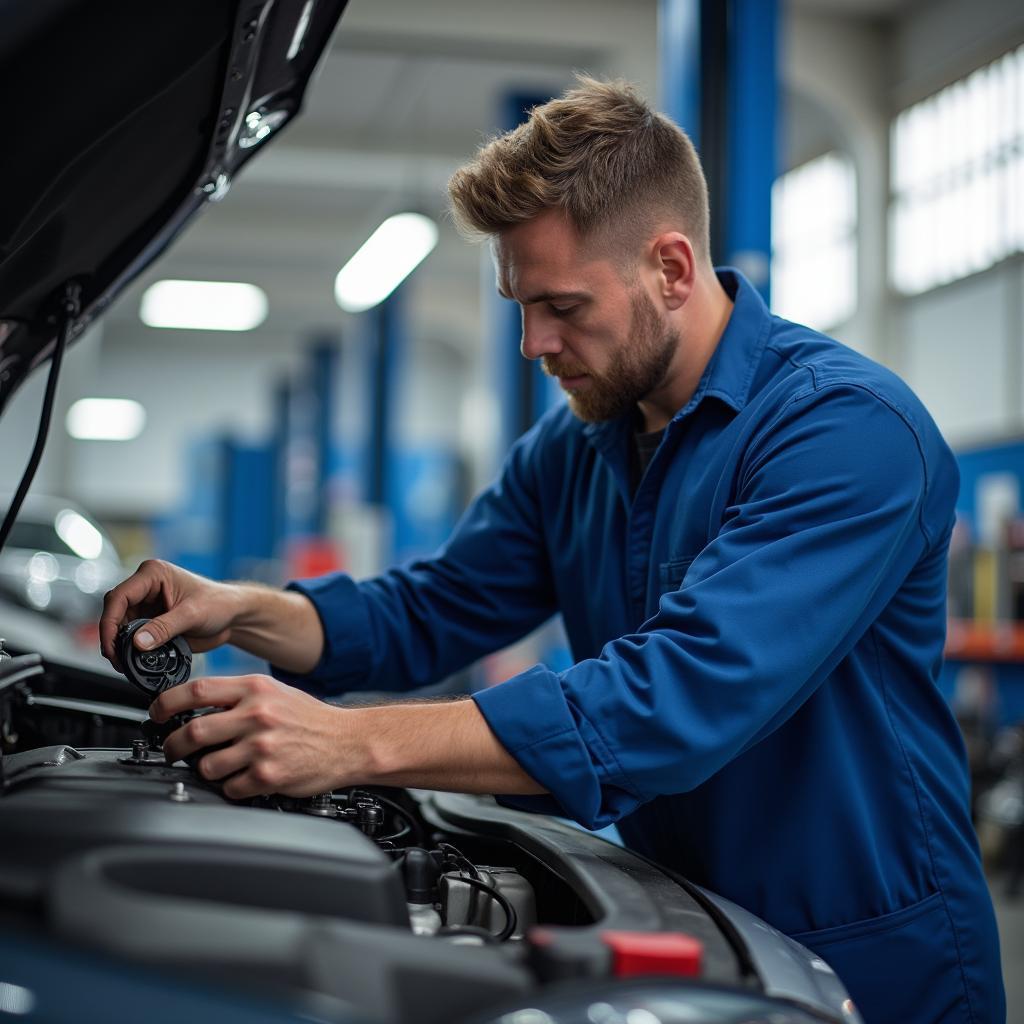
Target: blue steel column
679	64
279	449
718	80
753	136
323	363
300	446
386	335
297	472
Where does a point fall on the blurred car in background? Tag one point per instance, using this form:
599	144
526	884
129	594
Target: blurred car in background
58	561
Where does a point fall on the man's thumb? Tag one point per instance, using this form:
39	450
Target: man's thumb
144	640
157	631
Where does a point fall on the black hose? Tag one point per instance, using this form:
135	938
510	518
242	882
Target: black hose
394	836
454	853
69	310
398	810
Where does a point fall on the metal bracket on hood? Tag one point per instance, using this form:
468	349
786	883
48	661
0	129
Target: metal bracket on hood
235	100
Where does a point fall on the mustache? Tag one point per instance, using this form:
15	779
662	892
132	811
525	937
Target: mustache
553	369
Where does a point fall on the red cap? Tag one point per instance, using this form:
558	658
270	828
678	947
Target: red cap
636	953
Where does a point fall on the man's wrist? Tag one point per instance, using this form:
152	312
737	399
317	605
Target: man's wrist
367	753
244	604
279	625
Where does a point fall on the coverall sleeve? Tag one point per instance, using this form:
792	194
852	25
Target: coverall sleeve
824	526
488	586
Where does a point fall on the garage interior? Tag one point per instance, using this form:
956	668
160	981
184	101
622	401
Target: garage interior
887	174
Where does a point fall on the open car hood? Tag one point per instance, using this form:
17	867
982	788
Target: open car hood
121	120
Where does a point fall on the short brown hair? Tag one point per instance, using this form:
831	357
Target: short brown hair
601	154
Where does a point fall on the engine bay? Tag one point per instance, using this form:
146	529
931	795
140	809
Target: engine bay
386	905
398	905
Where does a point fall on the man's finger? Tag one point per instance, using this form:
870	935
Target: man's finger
245	785
204	692
222	763
116	604
205	731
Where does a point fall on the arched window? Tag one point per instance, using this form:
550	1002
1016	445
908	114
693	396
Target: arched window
814	242
957	178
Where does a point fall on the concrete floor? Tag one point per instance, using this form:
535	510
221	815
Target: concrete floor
1010	914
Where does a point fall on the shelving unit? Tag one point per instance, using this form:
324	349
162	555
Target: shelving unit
998	648
998	642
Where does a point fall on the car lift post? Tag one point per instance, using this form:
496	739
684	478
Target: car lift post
719	82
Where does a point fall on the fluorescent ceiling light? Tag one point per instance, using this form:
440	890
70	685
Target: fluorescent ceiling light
204	305
384	261
78	533
106	419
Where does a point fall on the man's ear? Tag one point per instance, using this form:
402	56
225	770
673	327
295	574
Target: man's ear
676	267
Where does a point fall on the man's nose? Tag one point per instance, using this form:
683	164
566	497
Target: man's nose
540	336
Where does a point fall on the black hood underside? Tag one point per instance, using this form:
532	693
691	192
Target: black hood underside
121	119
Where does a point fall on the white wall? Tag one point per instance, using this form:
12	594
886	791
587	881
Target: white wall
838	64
960	347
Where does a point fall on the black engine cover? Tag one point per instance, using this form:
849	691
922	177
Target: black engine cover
118	857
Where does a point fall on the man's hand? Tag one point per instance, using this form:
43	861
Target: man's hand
279	626
179	604
281	739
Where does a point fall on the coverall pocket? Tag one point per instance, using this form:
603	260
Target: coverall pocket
900	967
671	573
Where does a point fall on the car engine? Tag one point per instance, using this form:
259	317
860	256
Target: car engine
385	905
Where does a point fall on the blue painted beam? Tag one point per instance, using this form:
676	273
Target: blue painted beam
719	81
679	64
279	449
385	339
324	359
753	130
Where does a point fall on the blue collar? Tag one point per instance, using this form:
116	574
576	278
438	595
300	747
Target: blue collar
731	368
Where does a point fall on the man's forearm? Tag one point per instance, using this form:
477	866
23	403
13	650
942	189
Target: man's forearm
434	745
280	626
273	738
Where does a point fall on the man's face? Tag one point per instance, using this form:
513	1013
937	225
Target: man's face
590	324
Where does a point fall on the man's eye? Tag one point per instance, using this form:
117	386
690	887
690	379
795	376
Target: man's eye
563	310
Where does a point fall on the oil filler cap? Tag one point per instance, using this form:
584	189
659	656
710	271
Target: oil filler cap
156	670
659	953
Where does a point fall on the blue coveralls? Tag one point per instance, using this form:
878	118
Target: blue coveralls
756	635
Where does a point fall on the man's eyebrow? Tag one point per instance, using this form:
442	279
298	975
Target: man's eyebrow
547	296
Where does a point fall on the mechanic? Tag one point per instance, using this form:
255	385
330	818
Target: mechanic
744	526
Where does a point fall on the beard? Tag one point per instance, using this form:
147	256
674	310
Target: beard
638	367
